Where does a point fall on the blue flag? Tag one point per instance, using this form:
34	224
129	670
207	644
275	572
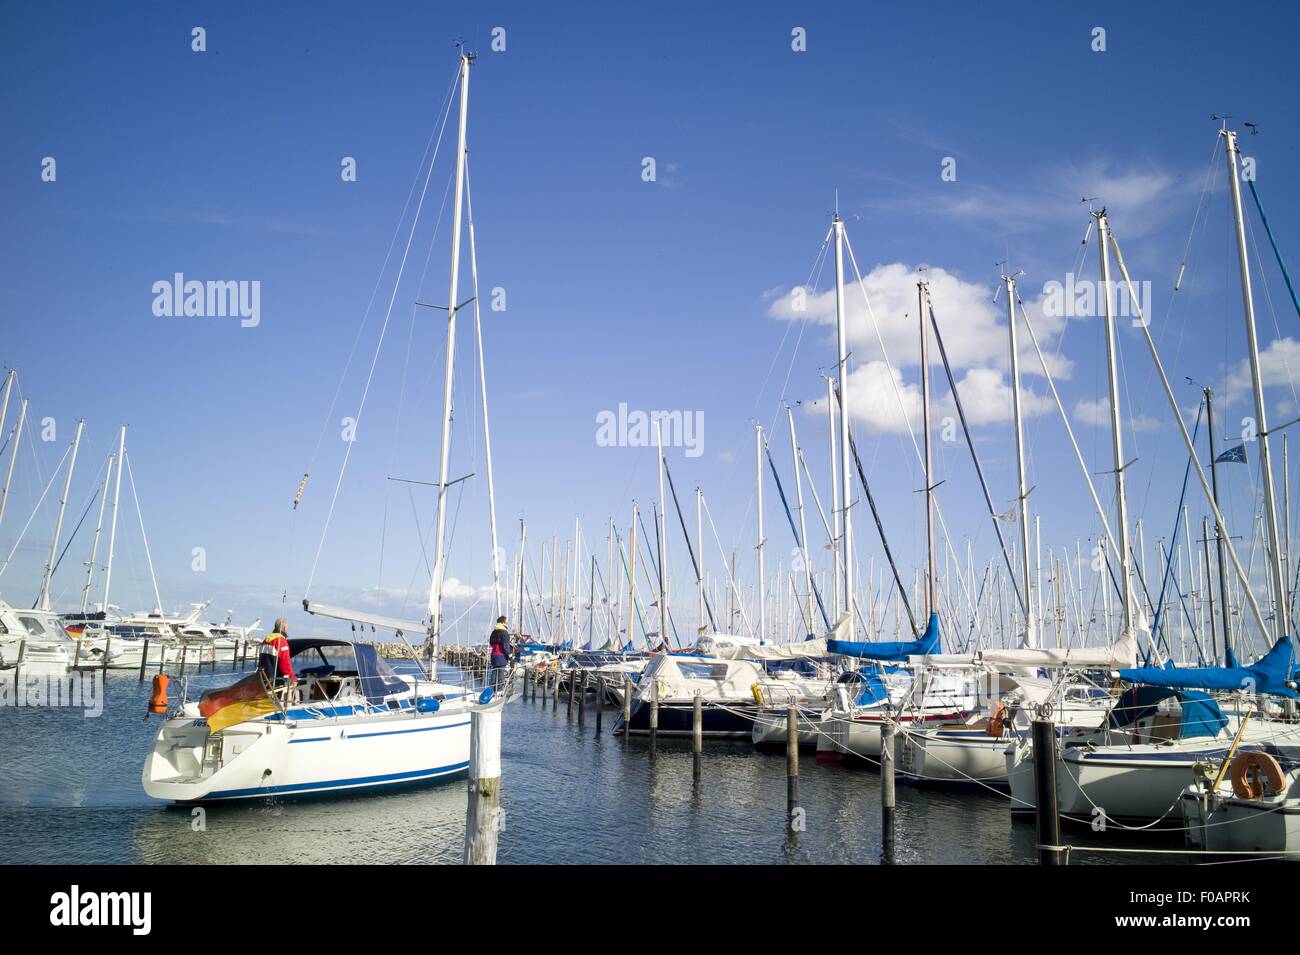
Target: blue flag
1235	455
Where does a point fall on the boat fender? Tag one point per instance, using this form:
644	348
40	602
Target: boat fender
998	722
758	693
158	695
427	704
486	695
1256	774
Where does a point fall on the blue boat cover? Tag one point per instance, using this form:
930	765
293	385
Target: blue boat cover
1201	716
891	650
1267	675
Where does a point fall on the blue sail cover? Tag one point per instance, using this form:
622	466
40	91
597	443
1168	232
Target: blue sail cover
1201	716
1267	675
891	650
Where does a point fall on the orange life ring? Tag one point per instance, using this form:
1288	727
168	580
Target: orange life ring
158	696
1256	774
998	722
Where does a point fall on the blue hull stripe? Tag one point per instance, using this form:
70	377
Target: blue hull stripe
356	782
314	739
423	729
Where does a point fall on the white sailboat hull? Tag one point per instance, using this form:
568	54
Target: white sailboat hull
307	755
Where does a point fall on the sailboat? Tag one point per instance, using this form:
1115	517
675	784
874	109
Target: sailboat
352	724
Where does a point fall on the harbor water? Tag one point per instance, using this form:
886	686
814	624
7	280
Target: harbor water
71	794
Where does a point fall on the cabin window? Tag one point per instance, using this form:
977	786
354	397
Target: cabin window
703	671
33	626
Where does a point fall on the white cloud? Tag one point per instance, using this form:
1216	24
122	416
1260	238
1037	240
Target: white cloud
1278	364
975	337
974	329
1097	414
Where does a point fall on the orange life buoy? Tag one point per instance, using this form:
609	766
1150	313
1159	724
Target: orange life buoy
1256	774
998	721
158	696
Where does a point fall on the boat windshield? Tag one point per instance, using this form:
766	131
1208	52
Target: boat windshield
330	659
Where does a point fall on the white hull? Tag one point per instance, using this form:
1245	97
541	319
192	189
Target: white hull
307	755
953	755
1223	823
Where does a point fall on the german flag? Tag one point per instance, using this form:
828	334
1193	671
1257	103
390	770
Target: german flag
246	700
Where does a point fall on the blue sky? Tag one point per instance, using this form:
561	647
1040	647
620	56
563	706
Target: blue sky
225	165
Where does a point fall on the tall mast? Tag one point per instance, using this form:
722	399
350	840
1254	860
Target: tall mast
762	570
519	597
43	600
444	454
13	457
699	549
1117	439
661	535
487	431
833	410
803	525
1022	492
631	576
99	526
931	586
117	496
841	334
1281	616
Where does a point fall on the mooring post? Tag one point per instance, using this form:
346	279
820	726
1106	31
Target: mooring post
144	658
108	645
184	652
627	702
582	700
573	683
162	655
1049	821
791	763
654	715
234	658
697	737
600	702
22	652
483	815
888	742
76	655
555	691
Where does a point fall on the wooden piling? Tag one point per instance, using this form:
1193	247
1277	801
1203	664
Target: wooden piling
627	702
184	651
144	659
573	682
654	716
22	654
600	702
697	737
791	763
1049	820
888	744
582	699
108	645
483	814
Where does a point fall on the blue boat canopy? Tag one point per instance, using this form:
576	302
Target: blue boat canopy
1200	715
927	645
1270	674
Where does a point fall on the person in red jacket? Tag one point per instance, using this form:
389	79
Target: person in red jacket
273	660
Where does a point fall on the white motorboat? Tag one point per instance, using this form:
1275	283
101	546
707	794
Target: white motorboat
33	639
353	724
